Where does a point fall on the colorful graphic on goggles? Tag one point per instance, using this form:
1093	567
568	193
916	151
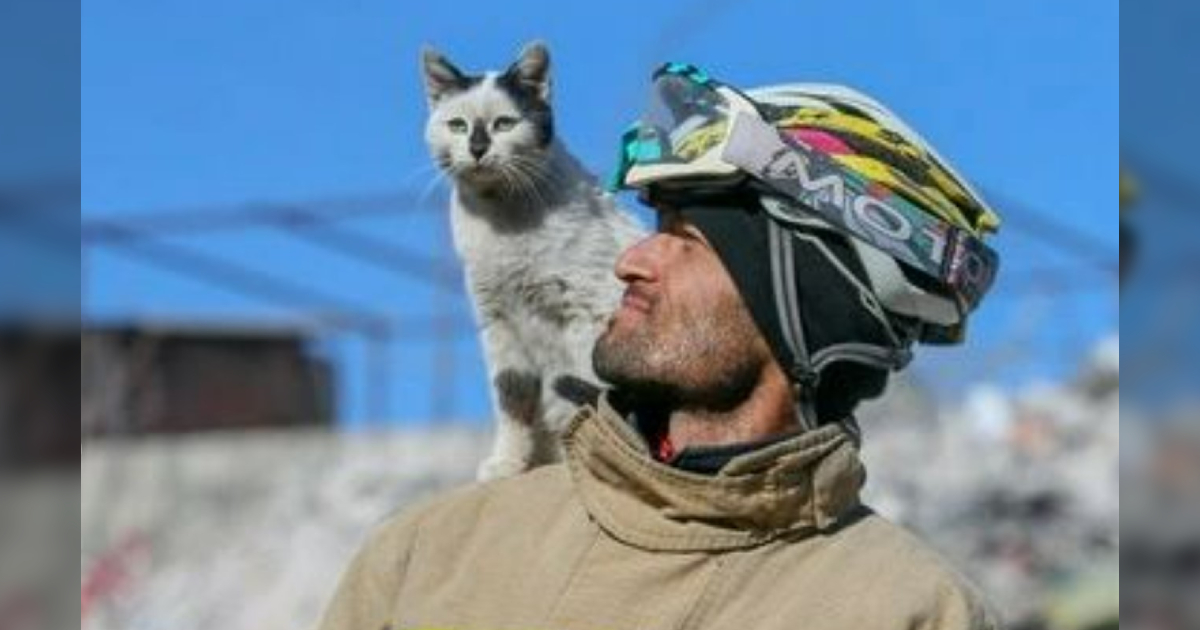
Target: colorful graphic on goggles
699	131
872	212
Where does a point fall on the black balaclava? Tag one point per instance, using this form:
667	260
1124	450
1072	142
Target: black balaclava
830	307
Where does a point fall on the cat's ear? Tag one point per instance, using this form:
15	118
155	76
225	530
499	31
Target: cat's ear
442	78
532	69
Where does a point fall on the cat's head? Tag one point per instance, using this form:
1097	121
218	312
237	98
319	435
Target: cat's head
489	130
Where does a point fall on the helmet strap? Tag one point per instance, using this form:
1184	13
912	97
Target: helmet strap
805	371
783	284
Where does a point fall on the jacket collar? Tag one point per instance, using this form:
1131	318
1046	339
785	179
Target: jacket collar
796	487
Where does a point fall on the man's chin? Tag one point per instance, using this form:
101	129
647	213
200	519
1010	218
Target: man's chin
621	362
631	385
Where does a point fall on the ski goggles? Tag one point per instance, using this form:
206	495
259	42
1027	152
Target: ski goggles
699	134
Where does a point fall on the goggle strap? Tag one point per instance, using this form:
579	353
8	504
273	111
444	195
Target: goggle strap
814	182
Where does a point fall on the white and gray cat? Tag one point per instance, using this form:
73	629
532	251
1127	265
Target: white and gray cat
538	237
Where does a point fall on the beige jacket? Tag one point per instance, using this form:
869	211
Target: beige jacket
612	540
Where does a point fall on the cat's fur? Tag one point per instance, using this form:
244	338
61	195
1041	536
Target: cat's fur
538	238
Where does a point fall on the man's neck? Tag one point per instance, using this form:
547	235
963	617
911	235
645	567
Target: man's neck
766	412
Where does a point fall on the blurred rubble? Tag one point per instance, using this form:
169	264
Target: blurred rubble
1160	556
244	531
1020	491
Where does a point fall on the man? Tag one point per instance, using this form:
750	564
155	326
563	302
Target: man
716	485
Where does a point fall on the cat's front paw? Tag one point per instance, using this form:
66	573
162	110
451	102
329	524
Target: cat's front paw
500	467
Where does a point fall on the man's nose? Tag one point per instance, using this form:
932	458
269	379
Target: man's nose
638	261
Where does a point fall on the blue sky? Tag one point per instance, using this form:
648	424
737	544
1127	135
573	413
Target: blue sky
216	104
38	66
1159	136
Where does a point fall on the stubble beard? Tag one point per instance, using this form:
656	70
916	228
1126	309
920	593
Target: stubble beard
711	360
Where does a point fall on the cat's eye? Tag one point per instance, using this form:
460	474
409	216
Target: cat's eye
504	123
457	125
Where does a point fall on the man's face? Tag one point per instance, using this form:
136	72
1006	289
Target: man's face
682	335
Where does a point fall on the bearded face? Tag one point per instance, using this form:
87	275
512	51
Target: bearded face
682	335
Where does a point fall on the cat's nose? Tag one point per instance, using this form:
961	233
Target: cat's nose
479	143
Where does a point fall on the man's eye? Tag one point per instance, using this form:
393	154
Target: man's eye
457	125
504	123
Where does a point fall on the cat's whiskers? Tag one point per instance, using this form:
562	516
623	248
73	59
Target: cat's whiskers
534	177
529	183
520	186
439	176
412	175
540	169
549	177
511	186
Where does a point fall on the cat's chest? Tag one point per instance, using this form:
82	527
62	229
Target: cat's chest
485	249
557	272
523	282
518	285
512	260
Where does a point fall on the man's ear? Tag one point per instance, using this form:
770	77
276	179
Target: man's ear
532	69
442	78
